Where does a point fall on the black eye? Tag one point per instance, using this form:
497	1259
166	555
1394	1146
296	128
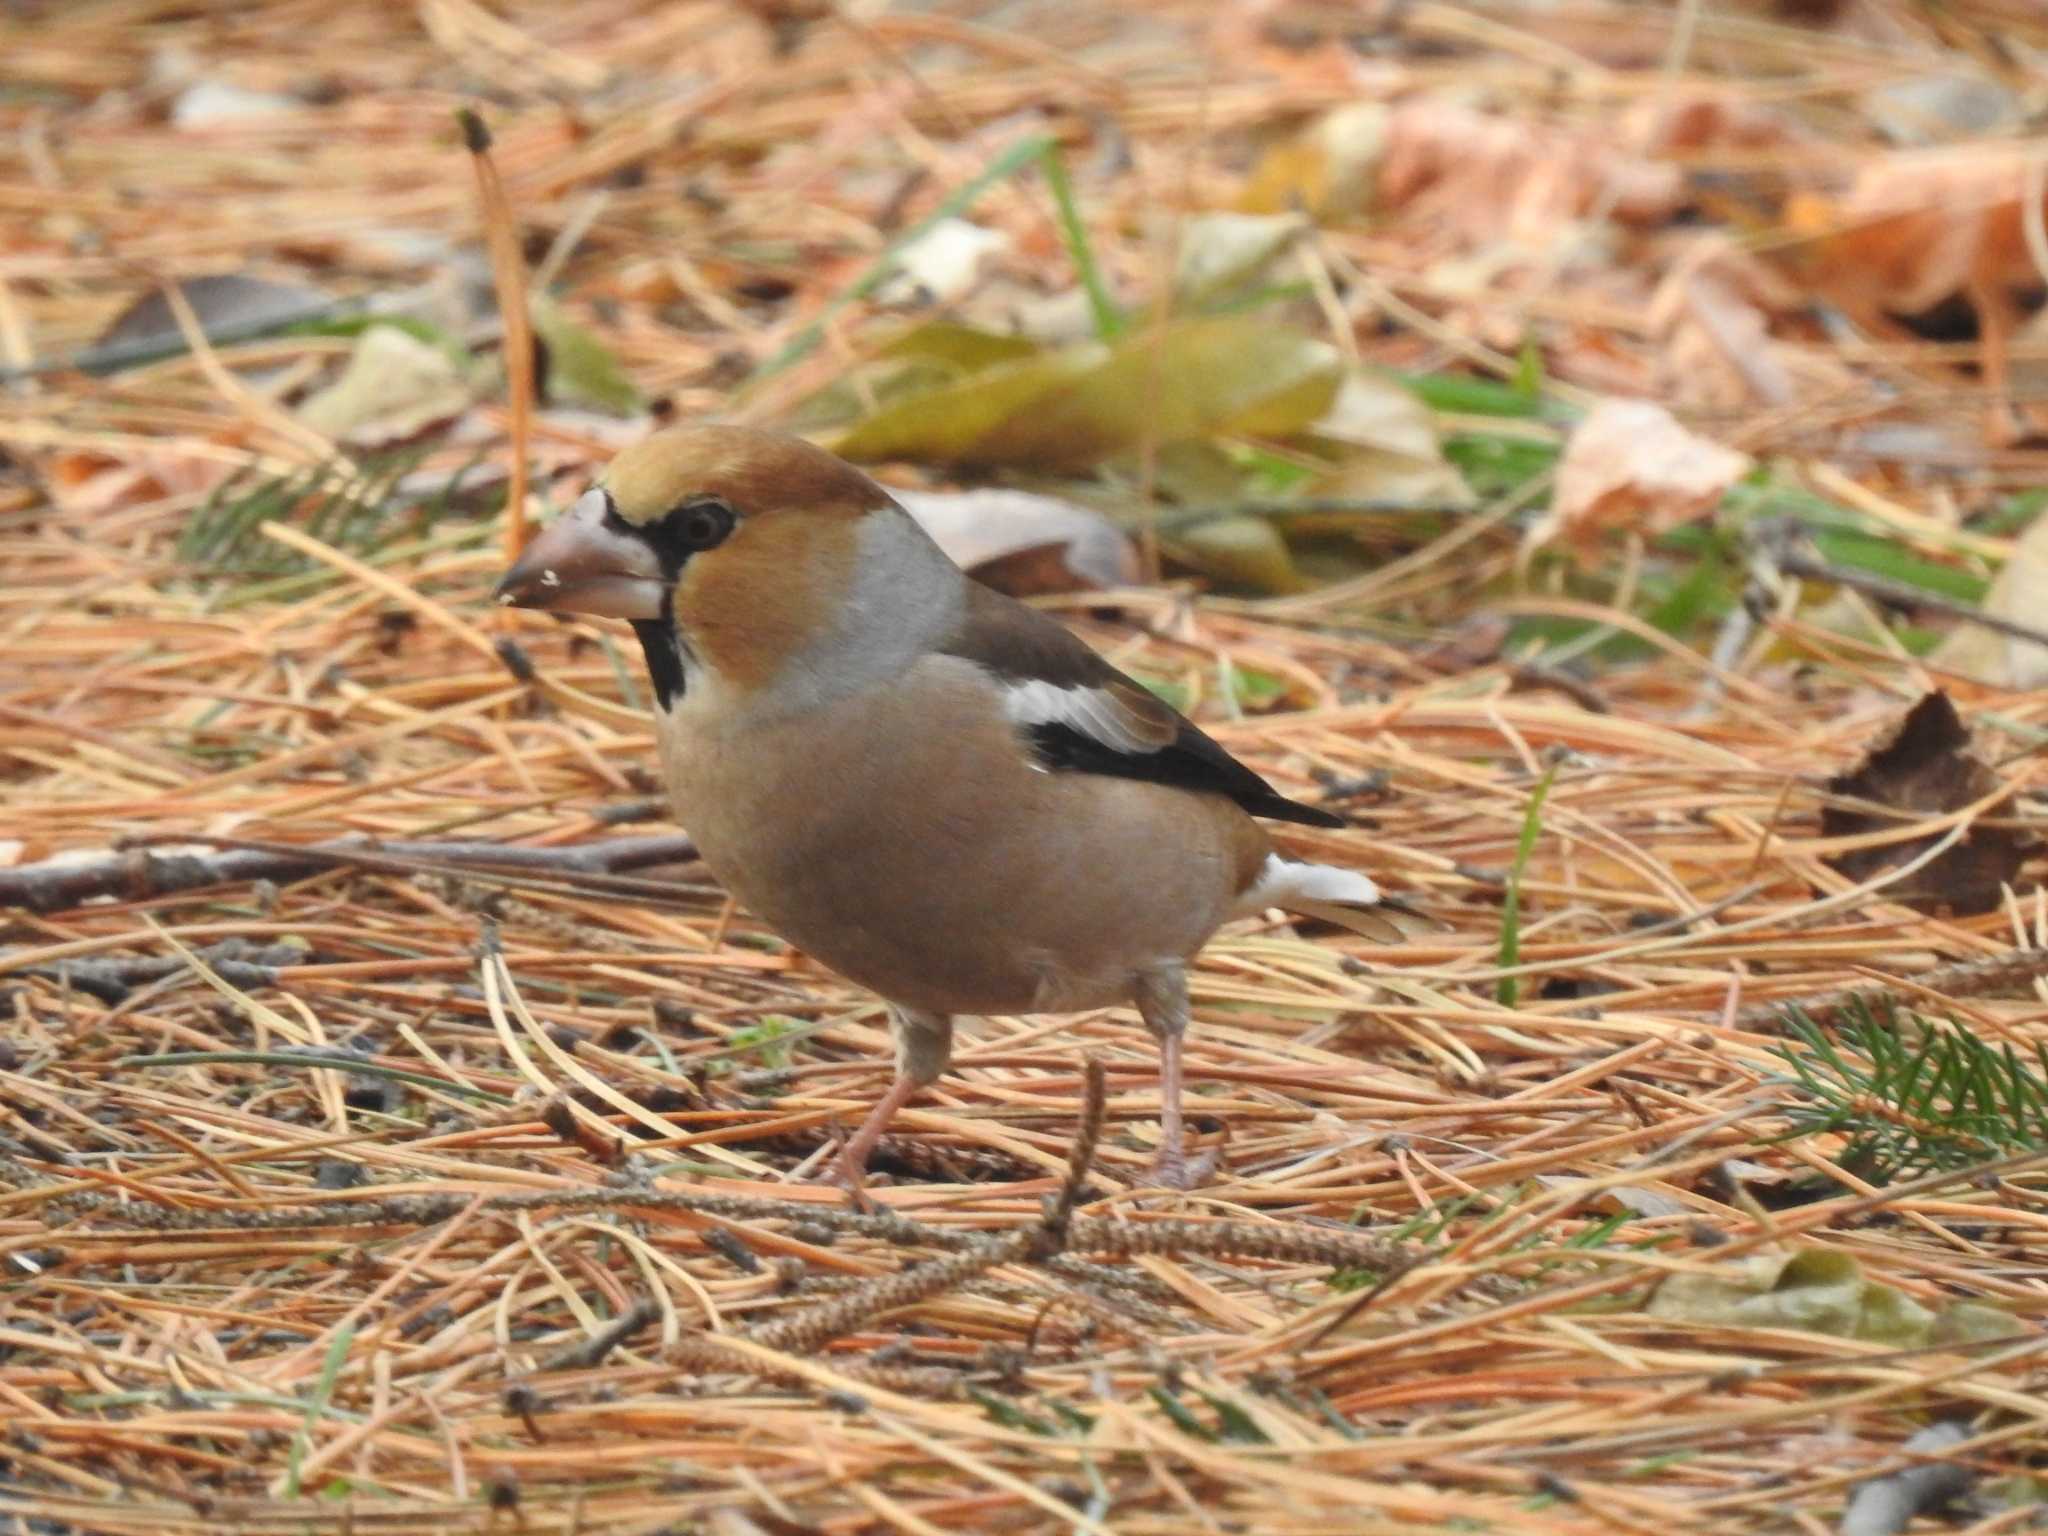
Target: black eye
701	523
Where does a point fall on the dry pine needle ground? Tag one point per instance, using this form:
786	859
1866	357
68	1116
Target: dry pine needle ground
537	1255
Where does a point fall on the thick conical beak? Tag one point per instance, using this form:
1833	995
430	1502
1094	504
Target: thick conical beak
581	564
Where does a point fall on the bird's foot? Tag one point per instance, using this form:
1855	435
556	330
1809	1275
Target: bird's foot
845	1173
1176	1170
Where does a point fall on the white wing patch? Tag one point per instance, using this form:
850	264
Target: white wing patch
1284	881
1090	711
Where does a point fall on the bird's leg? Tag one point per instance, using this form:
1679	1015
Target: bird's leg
924	1044
1162	997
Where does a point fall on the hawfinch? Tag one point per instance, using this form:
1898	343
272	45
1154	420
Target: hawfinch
937	791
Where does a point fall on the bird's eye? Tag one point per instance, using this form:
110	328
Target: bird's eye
702	522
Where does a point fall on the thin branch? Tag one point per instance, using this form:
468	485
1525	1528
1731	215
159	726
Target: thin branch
135	873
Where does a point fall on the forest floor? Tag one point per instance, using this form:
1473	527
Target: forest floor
1591	446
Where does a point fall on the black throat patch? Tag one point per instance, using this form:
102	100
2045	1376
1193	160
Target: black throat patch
664	652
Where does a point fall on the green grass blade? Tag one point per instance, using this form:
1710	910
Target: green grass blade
1509	988
1109	319
330	1371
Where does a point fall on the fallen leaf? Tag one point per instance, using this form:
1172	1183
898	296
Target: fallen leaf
1387	445
1630	467
1328	171
1924	765
1911	230
394	387
1241	551
1224	251
1918	227
925	360
1812	1290
1070	407
1022	543
2019	593
1489	177
580	369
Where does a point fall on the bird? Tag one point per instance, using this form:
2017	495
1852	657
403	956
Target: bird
937	791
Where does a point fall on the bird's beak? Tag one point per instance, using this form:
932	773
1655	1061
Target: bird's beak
580	563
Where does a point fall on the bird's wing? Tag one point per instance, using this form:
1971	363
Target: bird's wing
1076	713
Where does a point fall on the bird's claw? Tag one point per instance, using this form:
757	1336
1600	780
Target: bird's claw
1177	1171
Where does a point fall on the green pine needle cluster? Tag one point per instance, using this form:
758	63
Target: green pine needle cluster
1913	1095
358	507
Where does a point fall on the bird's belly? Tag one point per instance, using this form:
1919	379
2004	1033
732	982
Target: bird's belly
919	871
942	935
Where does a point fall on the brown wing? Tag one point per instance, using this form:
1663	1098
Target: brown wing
1079	714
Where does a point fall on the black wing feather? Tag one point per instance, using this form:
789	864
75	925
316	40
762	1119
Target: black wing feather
1019	644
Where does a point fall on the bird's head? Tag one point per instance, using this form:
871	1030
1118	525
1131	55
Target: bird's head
756	558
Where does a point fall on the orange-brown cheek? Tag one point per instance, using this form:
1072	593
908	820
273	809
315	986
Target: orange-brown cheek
764	595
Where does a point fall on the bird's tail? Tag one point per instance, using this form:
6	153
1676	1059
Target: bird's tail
1340	896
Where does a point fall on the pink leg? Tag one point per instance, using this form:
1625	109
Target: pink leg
853	1158
924	1043
1172	1163
1163	1004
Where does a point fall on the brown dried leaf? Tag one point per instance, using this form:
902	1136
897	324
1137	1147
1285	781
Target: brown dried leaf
1630	466
1915	228
1492	176
1923	767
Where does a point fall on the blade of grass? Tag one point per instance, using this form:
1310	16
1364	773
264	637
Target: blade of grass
1109	319
1509	988
330	1370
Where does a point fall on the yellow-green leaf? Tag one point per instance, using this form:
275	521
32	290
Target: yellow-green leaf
1813	1290
1072	407
1239	551
581	370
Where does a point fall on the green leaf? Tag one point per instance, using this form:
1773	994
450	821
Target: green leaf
922	360
962	347
1073	1417
1245	552
1813	1290
1256	690
1072	407
950	422
1496	466
765	1038
581	370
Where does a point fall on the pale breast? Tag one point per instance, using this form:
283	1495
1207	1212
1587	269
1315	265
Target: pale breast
933	864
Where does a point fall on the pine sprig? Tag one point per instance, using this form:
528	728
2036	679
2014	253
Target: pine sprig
358	508
1913	1095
